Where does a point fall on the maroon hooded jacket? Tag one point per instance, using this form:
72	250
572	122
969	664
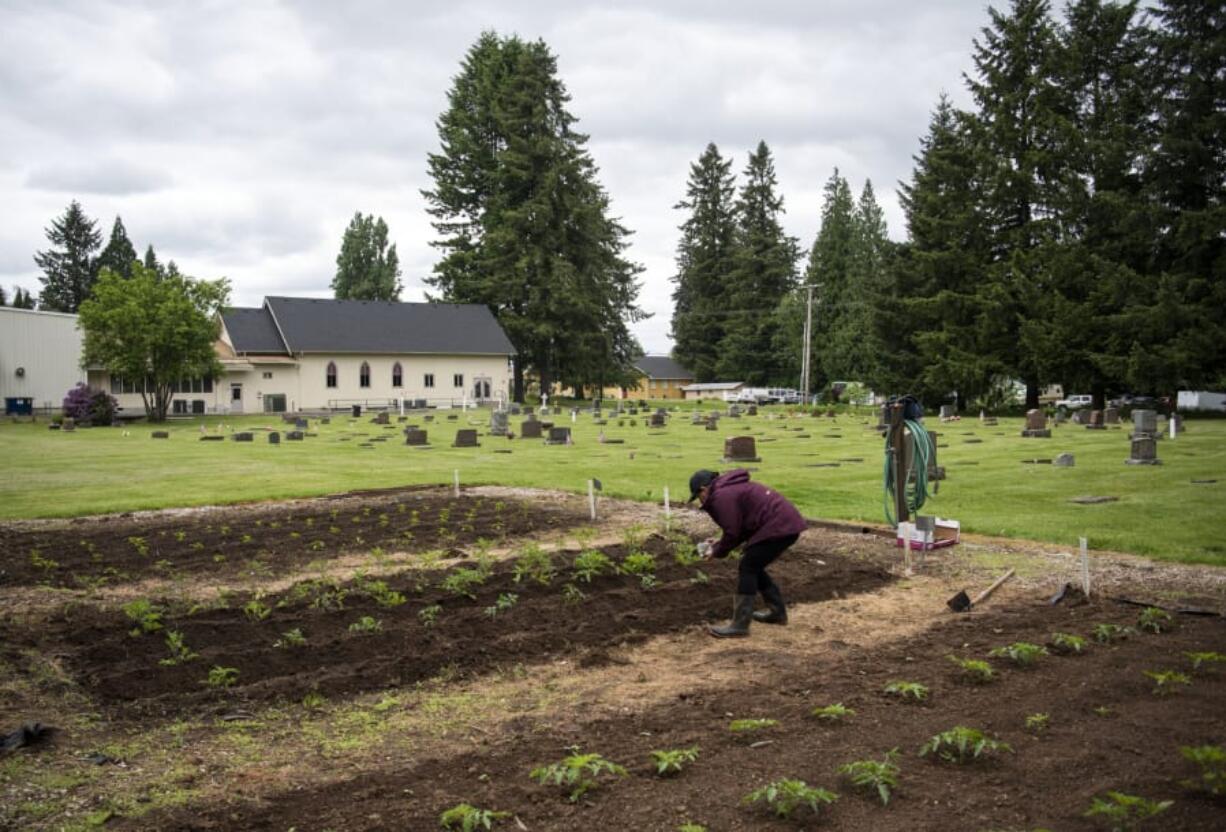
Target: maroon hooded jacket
749	512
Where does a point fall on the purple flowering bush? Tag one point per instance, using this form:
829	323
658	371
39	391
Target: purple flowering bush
86	406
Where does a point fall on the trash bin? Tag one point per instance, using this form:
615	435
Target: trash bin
18	406
357	411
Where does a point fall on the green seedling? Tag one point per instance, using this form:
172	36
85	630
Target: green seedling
505	601
974	670
962	745
429	615
1154	620
1107	633
146	616
180	536
140	545
1167	682
833	713
784	797
592	563
639	563
684	551
468	818
1067	644
222	677
1212	762
691	827
633	537
579	773
1126	811
314	701
573	595
366	626
912	691
1021	653
880	776
1206	659
533	563
382	594
179	653
1038	723
256	611
291	638
699	577
673	760
1103	711
39	562
745	726
462	582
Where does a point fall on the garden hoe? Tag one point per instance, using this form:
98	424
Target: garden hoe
963	603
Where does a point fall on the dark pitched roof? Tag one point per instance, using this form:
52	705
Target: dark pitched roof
253	331
360	326
661	366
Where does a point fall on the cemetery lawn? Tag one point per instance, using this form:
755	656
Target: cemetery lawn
831	469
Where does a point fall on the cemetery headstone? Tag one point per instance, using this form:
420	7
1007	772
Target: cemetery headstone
1096	421
325	421
1063	461
1111	416
740	449
1080	417
274	438
1144	423
557	410
515	409
696	418
530	429
734	411
558	436
1144	451
301	424
381	418
294	436
69	424
712	424
161	434
429	417
948	412
415	437
244	436
1178	422
1036	425
452	417
466	438
1060	418
752	410
657	420
212	437
498	423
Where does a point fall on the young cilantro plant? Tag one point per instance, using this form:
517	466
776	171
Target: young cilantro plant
579	773
784	797
573	595
1166	682
1154	620
962	745
467	818
878	776
638	563
673	760
1021	653
1067	644
1212	762
505	601
592	563
833	713
974	670
179	652
256	610
912	691
1125	811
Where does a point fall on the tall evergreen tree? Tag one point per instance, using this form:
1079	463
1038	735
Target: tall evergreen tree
68	267
704	264
829	271
119	253
151	260
524	224
367	268
4	299
763	273
871	287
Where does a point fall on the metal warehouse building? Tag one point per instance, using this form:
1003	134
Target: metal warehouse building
40	358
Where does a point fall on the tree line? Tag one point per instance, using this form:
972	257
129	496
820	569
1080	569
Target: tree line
1069	229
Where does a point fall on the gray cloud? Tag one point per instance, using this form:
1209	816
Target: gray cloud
106	176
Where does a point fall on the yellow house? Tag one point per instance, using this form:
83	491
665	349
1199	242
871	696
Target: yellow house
662	378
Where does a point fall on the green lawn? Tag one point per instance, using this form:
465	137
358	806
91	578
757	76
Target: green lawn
1160	511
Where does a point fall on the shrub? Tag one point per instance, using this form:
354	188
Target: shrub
1066	643
467	818
591	563
1154	620
1212	762
1125	811
146	616
1021	653
962	745
673	760
873	775
579	773
784	797
85	406
907	690
974	670
833	713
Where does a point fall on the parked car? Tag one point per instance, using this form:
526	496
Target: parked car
1075	402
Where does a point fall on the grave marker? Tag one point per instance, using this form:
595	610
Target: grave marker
274	438
242	437
1036	425
530	428
1144	451
498	423
415	437
466	438
161	434
1096	421
558	436
294	436
740	449
1111	416
1064	461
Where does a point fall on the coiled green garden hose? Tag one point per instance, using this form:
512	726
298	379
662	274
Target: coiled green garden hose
917	478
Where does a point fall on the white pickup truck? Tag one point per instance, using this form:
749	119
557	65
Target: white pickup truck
1075	402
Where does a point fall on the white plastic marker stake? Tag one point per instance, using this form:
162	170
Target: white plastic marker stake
457	482
904	529
667	508
573	417
591	498
1085	568
1171	421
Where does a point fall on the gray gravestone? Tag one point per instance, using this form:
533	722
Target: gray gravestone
530	429
1144	423
1080	417
415	437
657	420
740	449
466	438
752	410
242	437
948	411
696	418
734	411
294	436
274	438
1063	461
161	434
498	423
1096	421
1036	425
429	417
558	436
1144	451
381	418
1111	416
212	437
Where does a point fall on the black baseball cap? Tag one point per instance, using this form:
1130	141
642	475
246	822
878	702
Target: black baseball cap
701	479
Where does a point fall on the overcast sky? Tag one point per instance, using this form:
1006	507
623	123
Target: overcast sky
239	138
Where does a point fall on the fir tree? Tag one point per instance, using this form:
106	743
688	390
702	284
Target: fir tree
871	290
151	260
829	272
704	264
4	300
367	268
119	253
68	267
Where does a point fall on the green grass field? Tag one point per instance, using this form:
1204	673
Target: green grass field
1160	511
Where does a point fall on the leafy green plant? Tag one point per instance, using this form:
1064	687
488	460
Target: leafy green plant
878	776
745	726
256	610
533	563
39	562
784	797
1066	643
382	594
1167	682
913	691
579	773
1038	723
429	615
573	595
633	537
140	545
684	551
1107	633
146	616
671	761
962	745
1126	811
291	638
974	670
179	652
366	626
592	563
314	701
1103	711
1212	762
222	677
639	563
1021	653
463	581
1154	620
833	713
691	827
1205	659
468	818
505	601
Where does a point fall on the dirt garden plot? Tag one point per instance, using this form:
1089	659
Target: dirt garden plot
261	538
404	628
1106	730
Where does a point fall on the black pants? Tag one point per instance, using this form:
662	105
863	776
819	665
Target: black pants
751	574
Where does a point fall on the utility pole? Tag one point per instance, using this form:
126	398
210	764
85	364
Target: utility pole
805	374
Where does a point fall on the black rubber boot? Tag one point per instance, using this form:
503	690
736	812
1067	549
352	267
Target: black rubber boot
742	615
778	613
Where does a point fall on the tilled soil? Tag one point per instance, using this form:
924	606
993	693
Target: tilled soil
467	636
262	538
1108	731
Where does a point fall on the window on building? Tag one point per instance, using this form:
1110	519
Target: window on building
364	375
331	374
397	375
429	381
268	375
457	380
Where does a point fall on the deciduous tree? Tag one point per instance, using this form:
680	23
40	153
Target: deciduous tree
367	268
